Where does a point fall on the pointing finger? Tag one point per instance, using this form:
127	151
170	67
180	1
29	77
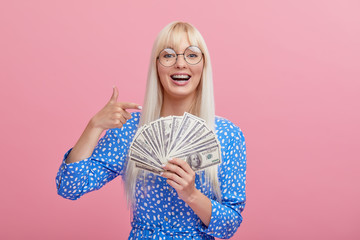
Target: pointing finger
126	105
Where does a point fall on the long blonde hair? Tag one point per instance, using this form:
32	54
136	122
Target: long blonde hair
203	106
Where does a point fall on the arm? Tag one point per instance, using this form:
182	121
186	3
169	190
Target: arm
182	178
85	145
113	115
217	219
87	166
226	215
105	163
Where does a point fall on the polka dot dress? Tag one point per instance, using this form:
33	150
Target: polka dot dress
158	212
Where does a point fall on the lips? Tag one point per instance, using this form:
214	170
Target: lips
180	79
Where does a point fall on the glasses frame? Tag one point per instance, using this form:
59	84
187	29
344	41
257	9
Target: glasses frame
202	54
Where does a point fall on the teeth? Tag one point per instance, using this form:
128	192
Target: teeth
180	77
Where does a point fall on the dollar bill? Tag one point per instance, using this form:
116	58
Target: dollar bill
205	158
186	137
165	125
209	144
148	168
148	135
140	145
156	135
176	121
185	124
138	157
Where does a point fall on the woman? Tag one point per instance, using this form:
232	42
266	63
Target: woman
179	204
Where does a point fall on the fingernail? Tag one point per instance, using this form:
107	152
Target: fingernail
163	165
140	107
161	173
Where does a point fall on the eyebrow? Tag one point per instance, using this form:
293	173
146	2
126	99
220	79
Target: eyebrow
174	48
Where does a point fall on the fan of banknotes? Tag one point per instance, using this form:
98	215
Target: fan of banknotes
186	137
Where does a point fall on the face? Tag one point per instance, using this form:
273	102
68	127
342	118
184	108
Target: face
176	88
195	161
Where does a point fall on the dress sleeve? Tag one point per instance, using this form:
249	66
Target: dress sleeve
226	216
106	162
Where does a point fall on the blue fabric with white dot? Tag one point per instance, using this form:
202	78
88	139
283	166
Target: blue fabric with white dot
158	211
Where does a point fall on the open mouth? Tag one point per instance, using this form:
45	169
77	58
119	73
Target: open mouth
180	77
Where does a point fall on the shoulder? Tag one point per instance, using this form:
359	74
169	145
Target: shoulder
227	131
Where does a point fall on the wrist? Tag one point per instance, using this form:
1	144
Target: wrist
193	197
93	127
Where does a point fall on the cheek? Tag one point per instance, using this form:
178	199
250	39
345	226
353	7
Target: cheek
198	70
198	73
161	74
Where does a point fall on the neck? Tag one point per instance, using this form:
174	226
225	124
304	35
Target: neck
176	106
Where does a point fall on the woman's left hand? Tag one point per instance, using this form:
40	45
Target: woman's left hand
181	177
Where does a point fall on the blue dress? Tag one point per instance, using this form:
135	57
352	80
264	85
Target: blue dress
159	213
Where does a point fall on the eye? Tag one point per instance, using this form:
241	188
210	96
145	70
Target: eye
169	55
192	55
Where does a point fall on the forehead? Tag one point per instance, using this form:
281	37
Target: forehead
182	43
178	41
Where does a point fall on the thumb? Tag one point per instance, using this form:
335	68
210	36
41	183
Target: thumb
114	95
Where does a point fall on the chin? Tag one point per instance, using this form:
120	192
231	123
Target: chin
179	92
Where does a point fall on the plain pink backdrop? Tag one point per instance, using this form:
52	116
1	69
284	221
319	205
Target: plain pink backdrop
286	72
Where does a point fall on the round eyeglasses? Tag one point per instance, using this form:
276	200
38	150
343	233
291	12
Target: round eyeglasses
168	56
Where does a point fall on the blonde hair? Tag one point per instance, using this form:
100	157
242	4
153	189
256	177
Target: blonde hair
203	106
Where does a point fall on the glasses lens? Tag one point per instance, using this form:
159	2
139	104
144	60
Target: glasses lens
167	57
193	55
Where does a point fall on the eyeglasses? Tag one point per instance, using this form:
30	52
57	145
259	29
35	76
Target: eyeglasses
168	56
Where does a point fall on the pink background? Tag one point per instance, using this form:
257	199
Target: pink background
286	72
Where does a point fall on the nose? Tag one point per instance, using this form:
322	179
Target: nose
180	63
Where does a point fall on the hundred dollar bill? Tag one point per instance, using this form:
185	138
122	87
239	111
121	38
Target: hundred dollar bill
165	125
185	124
157	132
137	157
148	168
139	130
202	159
148	135
194	117
176	120
145	149
195	142
155	127
184	136
188	138
206	145
195	123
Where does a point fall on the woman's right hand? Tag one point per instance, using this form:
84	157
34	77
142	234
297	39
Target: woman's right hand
113	114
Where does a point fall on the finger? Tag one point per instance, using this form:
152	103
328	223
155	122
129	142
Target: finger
122	119
183	164
174	177
123	112
179	166
126	114
175	169
127	105
173	184
114	95
117	123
